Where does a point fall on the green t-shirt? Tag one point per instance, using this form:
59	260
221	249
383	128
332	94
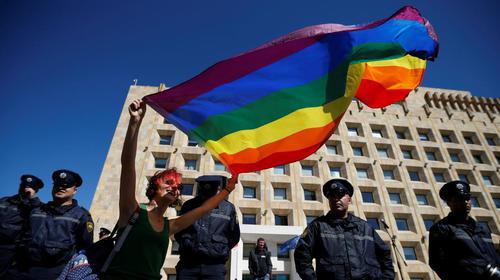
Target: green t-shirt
143	252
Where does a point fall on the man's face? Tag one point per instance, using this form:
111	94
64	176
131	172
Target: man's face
261	244
63	192
460	204
27	192
339	202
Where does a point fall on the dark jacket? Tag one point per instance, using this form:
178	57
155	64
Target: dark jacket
460	251
210	239
344	249
58	232
259	263
14	213
14	217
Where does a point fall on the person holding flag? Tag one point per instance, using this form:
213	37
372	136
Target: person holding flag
145	247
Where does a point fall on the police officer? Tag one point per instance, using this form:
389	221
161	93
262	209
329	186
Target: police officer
14	213
204	247
58	230
459	248
344	246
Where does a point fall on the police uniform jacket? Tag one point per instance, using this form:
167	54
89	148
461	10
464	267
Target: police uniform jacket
344	249
57	232
210	239
14	213
460	251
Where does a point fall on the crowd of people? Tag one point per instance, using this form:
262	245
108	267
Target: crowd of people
49	240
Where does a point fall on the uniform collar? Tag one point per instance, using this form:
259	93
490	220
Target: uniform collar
51	206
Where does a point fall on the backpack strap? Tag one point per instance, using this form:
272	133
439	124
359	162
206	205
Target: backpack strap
120	238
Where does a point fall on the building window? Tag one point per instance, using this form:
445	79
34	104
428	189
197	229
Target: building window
247	248
389	174
410	254
192	142
439	176
490	141
219	166
431	155
362	173
249	192
187	189
428	223
249	219
172	277
414	176
474	202
447	138
377	133
485	225
309	195
280	220
190	164
463	178
161	162
407	154
357	151
331	149
279	193
383	152
402	224
309	219
487	180
422	199
423	136
395	198
352	131
478	159
307	170
373	222
279	170
454	157
367	197
400	135
335	172
497	202
165	139
468	140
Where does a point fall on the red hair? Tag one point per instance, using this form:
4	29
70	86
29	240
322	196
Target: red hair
162	177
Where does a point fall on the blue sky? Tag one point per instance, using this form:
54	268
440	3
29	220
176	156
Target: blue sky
65	66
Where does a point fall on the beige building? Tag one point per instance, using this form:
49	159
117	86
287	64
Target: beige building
397	158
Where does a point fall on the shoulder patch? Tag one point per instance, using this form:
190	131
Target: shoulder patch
90	226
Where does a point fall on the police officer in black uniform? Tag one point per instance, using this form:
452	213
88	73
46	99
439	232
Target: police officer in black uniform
204	247
58	230
344	246
14	214
460	248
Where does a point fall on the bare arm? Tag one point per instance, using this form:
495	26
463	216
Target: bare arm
184	221
128	203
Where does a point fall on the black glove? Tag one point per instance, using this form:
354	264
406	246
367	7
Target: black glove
492	272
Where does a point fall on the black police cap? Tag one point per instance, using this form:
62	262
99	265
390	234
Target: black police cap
212	180
338	185
66	177
28	180
454	188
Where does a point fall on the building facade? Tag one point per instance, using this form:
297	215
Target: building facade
397	158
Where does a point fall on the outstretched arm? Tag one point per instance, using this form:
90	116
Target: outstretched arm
190	217
128	203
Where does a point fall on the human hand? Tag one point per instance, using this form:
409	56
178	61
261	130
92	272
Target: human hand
137	110
231	185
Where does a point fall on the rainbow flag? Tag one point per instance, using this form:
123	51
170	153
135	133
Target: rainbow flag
280	102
